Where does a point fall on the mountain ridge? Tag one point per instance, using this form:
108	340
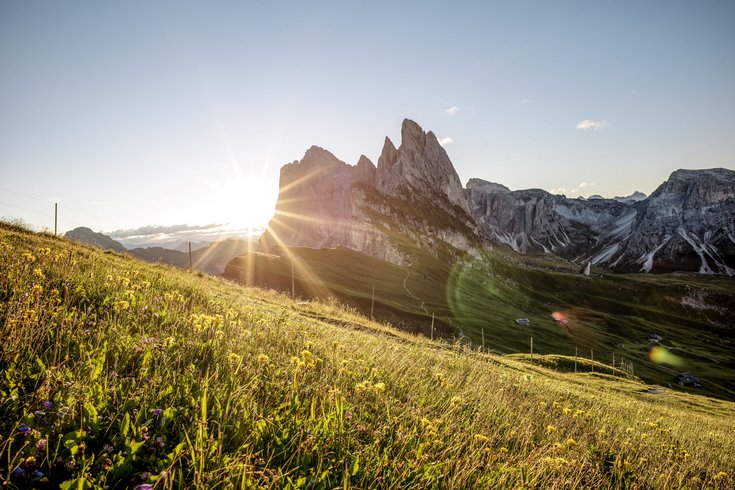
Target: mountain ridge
414	196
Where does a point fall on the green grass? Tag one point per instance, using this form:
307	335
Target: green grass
609	315
117	373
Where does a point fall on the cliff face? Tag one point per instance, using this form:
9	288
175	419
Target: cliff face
687	224
413	198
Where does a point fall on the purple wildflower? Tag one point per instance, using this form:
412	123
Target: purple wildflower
41	444
157	411
17	472
48	404
113	374
24	429
159	441
144	486
107	448
38	474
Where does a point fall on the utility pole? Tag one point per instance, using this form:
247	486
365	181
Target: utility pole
575	359
189	256
56	217
483	338
293	282
372	303
432	325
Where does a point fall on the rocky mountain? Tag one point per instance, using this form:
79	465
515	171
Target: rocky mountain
635	197
99	240
687	224
413	199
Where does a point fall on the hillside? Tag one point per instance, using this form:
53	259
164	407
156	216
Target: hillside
209	257
118	373
608	316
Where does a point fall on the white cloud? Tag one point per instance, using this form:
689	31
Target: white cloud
445	141
590	124
525	101
582	185
558	190
452	110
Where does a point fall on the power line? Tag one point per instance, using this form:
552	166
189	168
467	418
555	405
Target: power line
24	195
53	202
26	209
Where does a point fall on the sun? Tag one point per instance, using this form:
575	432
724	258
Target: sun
243	201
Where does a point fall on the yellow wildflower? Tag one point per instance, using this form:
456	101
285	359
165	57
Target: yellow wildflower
571	442
235	358
481	438
120	305
264	359
550	429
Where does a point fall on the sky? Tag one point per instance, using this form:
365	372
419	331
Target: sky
178	115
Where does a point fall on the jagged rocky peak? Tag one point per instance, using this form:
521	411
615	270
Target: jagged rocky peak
419	165
365	170
697	187
316	160
485	186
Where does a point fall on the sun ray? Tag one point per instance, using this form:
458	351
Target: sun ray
314	284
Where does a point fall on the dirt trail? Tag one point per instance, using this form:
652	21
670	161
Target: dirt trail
408	274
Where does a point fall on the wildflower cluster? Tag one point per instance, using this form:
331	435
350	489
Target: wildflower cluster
306	361
367	386
203	323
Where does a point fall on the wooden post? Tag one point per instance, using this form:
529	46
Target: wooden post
575	359
293	282
56	217
592	358
432	325
372	303
483	338
531	348
189	255
613	360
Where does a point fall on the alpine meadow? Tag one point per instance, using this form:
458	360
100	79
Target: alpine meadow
117	373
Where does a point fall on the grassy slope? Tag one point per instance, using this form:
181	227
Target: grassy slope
609	314
159	375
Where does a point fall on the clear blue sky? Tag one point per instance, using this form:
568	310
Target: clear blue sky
164	113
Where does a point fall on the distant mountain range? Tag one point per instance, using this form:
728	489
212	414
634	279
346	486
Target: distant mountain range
209	257
414	198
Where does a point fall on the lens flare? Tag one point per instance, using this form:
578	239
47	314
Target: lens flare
661	355
560	317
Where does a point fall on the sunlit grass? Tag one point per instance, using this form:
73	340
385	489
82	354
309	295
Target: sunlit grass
121	374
